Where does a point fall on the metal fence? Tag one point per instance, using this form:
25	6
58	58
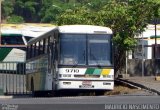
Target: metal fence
12	78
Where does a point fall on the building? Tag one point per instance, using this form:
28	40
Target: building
146	44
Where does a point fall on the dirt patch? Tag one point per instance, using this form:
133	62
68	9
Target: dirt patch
120	90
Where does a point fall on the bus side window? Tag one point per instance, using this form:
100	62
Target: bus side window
44	43
38	48
27	52
34	51
2	40
48	44
16	40
52	39
30	51
41	47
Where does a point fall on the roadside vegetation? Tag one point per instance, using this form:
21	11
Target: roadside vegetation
123	90
125	17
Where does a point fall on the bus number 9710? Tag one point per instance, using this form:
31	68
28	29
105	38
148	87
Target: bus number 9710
72	70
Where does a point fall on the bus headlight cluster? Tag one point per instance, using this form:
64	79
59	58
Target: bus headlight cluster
106	83
65	75
107	76
67	83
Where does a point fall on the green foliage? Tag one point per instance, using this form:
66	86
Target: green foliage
7	8
15	19
112	14
27	9
51	15
125	17
79	15
50	10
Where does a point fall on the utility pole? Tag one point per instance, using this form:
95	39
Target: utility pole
155	56
0	20
155	47
143	54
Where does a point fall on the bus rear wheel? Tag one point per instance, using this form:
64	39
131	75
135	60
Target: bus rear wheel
32	87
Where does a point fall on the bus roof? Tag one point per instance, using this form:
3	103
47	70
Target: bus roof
43	35
86	29
26	29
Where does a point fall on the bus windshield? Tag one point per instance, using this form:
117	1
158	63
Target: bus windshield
73	49
99	50
85	49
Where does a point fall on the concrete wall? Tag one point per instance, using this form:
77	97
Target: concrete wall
151	67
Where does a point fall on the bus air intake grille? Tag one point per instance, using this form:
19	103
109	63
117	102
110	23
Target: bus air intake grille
87	76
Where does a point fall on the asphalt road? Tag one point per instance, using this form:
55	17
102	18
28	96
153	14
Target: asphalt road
83	103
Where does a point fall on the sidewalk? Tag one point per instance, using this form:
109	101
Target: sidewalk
146	82
6	97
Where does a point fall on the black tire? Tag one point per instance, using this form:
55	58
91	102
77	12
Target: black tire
99	93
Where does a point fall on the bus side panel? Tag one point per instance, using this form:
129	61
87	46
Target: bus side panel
38	81
37	71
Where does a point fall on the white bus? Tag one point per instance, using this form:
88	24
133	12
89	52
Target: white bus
13	44
13	41
12	51
71	57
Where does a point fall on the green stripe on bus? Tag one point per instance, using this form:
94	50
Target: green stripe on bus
10	35
89	71
4	52
93	71
97	71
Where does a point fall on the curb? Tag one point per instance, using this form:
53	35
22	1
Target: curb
140	85
129	84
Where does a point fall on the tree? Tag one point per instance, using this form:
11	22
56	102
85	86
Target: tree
156	10
51	9
27	9
79	15
7	9
15	19
125	17
50	15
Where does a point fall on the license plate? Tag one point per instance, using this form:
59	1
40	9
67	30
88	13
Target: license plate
87	83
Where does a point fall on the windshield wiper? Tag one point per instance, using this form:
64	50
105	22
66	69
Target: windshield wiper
95	59
76	63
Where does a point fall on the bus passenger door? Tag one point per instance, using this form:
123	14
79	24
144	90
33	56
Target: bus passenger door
49	76
52	65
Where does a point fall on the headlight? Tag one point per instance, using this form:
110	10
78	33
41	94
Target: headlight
66	75
107	76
